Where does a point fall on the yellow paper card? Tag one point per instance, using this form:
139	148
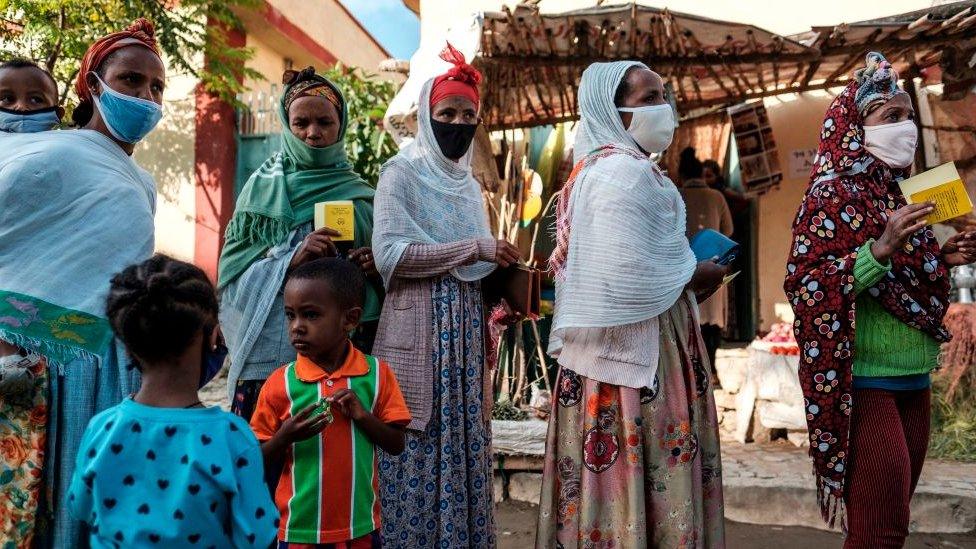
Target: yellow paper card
730	277
943	187
339	215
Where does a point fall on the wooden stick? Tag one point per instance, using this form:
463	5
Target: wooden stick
541	355
634	23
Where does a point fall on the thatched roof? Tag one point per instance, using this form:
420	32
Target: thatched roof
532	61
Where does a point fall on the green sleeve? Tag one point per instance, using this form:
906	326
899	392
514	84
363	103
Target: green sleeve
867	270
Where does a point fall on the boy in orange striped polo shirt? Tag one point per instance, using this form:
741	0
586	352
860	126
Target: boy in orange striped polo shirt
328	492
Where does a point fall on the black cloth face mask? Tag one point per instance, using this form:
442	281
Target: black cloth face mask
453	139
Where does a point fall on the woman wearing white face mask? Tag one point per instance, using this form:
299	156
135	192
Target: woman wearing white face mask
859	249
633	451
74	209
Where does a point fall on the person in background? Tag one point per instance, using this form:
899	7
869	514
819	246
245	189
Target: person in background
329	492
860	253
161	469
632	453
76	209
707	209
738	203
272	232
433	248
28	98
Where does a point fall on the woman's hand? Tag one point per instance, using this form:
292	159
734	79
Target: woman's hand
364	258
960	249
506	254
902	224
315	246
707	278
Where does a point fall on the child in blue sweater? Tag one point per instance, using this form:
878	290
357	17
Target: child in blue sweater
161	469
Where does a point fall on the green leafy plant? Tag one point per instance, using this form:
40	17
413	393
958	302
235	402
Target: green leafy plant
369	146
193	34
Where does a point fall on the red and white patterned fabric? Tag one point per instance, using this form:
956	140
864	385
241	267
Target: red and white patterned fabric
848	202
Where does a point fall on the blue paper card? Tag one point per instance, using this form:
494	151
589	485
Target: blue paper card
708	244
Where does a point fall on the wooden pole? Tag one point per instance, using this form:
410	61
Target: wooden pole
913	94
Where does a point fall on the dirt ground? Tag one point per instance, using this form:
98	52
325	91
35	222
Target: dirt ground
515	524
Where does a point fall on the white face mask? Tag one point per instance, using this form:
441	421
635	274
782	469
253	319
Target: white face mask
894	144
651	127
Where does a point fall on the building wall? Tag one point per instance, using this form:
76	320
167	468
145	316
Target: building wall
267	61
329	24
167	153
796	120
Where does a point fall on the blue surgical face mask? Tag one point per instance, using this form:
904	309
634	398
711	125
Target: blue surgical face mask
128	118
40	120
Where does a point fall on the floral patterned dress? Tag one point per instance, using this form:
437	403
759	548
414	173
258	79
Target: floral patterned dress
23	424
636	468
438	492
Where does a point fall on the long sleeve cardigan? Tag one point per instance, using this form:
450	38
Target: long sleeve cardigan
403	338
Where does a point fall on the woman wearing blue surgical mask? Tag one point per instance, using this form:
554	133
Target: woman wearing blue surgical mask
74	209
632	455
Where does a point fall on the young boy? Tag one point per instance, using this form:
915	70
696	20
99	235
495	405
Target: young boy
328	490
28	98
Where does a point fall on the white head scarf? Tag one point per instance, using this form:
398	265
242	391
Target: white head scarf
423	197
628	258
600	123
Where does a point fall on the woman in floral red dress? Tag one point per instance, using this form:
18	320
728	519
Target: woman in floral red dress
858	248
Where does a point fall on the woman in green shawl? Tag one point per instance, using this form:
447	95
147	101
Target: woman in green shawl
272	232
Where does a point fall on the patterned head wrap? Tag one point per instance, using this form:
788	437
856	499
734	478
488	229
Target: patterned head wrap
140	33
462	79
306	83
877	83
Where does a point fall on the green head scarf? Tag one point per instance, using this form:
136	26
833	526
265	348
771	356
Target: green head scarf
282	193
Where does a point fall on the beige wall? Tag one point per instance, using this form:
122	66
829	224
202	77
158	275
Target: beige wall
325	22
168	154
270	63
329	24
796	121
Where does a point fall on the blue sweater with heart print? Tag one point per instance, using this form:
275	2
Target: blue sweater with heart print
171	477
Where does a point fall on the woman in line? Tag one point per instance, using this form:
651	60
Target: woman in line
272	232
74	209
632	455
857	248
433	247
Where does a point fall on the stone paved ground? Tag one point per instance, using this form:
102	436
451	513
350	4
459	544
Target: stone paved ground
772	483
516	523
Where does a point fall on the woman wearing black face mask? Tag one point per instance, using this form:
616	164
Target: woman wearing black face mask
433	246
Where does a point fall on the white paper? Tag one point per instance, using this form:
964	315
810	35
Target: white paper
801	163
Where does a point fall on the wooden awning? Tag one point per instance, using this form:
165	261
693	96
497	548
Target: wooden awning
532	61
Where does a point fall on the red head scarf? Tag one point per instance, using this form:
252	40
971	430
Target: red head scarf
462	79
847	203
139	33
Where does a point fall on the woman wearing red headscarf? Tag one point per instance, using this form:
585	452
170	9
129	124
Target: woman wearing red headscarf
433	247
75	209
